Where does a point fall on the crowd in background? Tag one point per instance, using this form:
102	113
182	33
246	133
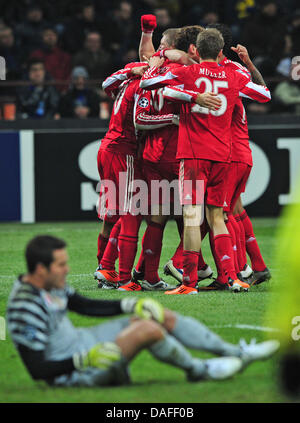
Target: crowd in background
59	52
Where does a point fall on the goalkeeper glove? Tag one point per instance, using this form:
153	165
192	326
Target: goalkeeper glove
144	308
148	23
101	355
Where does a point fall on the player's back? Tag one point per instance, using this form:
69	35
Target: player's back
121	135
204	133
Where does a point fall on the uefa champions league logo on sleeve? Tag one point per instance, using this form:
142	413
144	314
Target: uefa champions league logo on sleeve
2	329
2	69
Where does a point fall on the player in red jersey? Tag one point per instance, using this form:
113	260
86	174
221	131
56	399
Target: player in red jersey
240	170
117	155
159	159
204	147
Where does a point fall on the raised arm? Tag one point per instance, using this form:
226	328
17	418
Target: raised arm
243	54
146	48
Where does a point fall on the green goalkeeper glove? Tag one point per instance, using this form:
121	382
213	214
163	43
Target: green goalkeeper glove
101	355
145	308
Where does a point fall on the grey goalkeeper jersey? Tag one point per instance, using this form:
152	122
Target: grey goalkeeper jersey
37	319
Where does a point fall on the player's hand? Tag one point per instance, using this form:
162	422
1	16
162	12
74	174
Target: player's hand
139	70
101	355
242	52
209	100
144	308
148	23
156	61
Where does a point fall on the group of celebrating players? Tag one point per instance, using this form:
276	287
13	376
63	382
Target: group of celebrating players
178	116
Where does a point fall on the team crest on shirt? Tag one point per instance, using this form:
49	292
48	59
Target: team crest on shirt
143	102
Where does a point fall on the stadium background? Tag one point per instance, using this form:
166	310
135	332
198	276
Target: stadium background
48	165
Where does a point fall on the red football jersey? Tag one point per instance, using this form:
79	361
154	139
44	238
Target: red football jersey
241	151
122	86
204	134
155	111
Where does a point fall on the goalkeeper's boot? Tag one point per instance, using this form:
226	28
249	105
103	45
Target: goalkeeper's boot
215	369
130	286
259	277
182	290
257	351
205	273
246	272
215	286
137	276
170	269
158	286
238	286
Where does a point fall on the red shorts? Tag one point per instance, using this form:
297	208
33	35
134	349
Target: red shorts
207	182
161	171
236	183
117	171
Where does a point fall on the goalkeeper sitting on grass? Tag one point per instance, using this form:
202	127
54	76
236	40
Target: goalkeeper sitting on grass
57	352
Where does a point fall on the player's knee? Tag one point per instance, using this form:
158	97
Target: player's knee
170	320
149	331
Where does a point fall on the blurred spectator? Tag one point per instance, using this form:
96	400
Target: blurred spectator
85	21
283	67
120	30
287	93
57	61
96	60
28	32
164	22
37	100
79	101
11	53
210	17
264	37
294	31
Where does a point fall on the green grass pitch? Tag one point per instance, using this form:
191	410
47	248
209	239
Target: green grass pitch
152	381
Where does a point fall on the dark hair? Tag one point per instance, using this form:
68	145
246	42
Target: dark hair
171	34
209	43
34	61
186	36
40	250
226	34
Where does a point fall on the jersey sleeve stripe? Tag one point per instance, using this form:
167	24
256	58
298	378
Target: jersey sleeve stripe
27	319
33	345
152	81
22	307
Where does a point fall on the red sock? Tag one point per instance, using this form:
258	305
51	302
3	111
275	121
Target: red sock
102	243
232	233
252	247
140	267
177	257
201	262
111	251
128	239
152	248
190	267
225	255
220	277
242	244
